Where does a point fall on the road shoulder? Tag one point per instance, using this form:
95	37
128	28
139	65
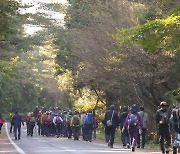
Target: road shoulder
5	144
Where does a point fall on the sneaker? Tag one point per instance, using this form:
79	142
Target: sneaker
109	144
133	149
128	146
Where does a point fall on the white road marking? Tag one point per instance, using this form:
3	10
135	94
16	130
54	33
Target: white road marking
12	142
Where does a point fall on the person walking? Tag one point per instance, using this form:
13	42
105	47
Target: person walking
36	111
11	114
48	120
32	122
176	128
28	116
133	123
88	126
83	117
145	120
17	121
1	122
75	124
39	122
111	122
95	126
162	119
57	120
124	134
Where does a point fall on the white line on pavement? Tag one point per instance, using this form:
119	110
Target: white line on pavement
12	142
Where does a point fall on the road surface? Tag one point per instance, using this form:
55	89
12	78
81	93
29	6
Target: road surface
52	145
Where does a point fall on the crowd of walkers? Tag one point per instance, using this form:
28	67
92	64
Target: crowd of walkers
133	123
62	124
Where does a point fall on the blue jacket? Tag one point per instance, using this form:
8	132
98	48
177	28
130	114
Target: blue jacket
17	120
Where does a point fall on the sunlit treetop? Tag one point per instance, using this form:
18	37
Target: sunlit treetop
156	35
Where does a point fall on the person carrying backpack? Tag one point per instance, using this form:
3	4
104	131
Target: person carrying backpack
39	122
27	123
32	122
57	120
111	122
68	119
1	122
134	124
11	114
64	127
48	122
176	128
43	123
95	126
83	117
125	133
162	119
17	121
76	124
145	119
88	126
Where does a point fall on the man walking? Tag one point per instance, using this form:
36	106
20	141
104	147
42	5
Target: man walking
17	121
111	122
133	123
125	133
162	119
145	121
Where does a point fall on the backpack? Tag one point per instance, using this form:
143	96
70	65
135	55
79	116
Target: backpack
32	120
68	119
89	119
176	116
1	120
133	120
58	120
164	118
48	119
76	121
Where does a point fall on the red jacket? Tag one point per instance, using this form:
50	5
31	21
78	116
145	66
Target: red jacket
28	118
48	117
1	120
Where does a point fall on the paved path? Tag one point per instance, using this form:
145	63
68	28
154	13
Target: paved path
5	144
38	144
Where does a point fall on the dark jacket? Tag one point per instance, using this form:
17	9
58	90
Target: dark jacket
17	120
122	118
161	116
115	119
176	120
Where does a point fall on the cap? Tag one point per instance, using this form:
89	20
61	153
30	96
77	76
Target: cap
163	104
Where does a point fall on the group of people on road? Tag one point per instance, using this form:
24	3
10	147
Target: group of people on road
133	125
62	123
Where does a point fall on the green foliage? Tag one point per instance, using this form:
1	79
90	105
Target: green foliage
8	15
63	39
156	35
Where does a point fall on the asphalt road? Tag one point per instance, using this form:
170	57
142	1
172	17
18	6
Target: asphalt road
52	145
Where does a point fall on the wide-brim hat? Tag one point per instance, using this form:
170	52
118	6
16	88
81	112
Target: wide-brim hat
163	104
